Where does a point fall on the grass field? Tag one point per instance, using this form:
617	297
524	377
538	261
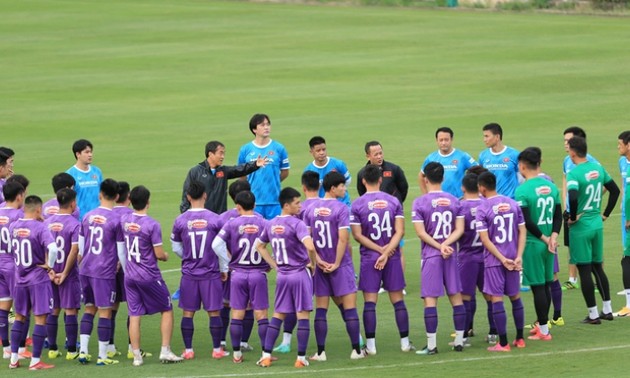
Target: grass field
150	82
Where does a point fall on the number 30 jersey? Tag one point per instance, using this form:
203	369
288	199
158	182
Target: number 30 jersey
240	234
438	212
195	229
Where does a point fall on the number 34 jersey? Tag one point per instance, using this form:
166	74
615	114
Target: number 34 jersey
438	212
240	234
195	229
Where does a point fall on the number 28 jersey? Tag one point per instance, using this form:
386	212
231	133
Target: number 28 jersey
240	234
438	212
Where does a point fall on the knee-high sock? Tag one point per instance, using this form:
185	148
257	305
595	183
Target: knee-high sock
467	308
602	281
500	320
273	330
225	322
321	328
187	326
248	325
72	331
303	333
4	328
27	325
216	330
113	321
351	317
492	327
290	321
52	326
39	335
402	318
459	317
236	333
16	335
473	310
540	303
518	313
342	311
430	319
556	298
87	324
625	271
263	324
587	285
369	319
104	333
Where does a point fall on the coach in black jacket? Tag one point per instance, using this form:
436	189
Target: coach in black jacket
214	176
394	180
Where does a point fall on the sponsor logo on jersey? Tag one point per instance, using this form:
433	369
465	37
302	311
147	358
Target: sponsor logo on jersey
455	161
473	211
543	191
51	210
4	220
496	167
21	233
197	224
378	204
387	173
98	219
132	227
506	159
94	176
220	174
322	211
592	175
440	202
278	229
248	229
270	153
502	207
450	167
56	227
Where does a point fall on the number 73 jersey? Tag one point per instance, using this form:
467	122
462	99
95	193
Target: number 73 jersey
195	229
541	197
588	179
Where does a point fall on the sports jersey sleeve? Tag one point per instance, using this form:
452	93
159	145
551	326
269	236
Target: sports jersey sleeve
521	197
264	235
301	231
242	155
284	158
176	233
416	211
469	161
399	210
427	160
355	217
627	196
520	220
480	220
572	182
343	218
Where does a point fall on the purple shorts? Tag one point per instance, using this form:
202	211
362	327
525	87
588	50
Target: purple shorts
195	292
438	274
249	287
226	288
294	292
370	279
147	297
471	276
7	284
36	298
499	281
121	295
338	283
68	294
100	292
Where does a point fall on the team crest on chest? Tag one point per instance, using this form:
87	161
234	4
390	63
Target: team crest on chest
387	173
220	174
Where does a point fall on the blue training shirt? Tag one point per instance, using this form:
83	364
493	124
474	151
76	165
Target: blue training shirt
332	165
455	165
265	182
504	165
87	186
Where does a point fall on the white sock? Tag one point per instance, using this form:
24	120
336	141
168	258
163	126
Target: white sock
370	344
216	349
102	349
607	307
238	354
593	313
111	348
165	349
244	344
404	342
189	350
286	338
573	280
265	355
84	340
34	361
21	350
544	329
431	340
627	298
130	348
15	358
459	338
137	354
301	358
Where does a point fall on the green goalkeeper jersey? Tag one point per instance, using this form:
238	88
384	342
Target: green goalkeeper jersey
588	179
540	196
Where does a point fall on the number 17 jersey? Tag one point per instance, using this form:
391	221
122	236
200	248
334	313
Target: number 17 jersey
195	229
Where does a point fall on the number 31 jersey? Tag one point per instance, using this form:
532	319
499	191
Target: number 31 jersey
325	218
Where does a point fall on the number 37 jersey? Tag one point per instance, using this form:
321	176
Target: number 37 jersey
195	229
240	234
500	216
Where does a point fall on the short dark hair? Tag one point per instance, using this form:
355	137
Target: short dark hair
310	180
578	145
444	130
65	196
5	154
369	144
477	169
315	141
238	186
287	195
434	172
81	145
488	180
195	189
139	197
32	202
21	179
531	157
372	173
469	182
333	178
576	131
11	190
246	200
123	191
109	189
256	120
62	180
625	137
495	129
212	147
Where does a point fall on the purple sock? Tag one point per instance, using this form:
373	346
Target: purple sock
263	324
290	321
104	329
16	335
236	333
473	310
303	332
518	312
459	317
52	325
492	327
188	330
248	325
216	330
402	318
72	331
225	321
27	325
467	307
4	328
430	319
500	319
369	319
321	329
351	317
39	335
556	299
113	322
342	311
87	323
273	330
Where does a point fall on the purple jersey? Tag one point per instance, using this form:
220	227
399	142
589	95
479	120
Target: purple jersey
30	241
228	215
51	207
307	205
500	216
376	213
122	210
8	215
101	231
239	234
325	218
195	229
286	233
437	211
65	230
142	233
470	247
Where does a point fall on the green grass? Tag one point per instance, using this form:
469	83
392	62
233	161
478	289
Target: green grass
150	82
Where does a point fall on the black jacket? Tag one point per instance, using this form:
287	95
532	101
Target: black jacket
394	181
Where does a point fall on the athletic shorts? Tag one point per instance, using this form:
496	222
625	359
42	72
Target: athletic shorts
268	211
36	298
147	297
498	281
294	292
391	276
471	277
537	264
194	293
68	294
338	283
249	287
438	274
7	284
100	292
587	246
